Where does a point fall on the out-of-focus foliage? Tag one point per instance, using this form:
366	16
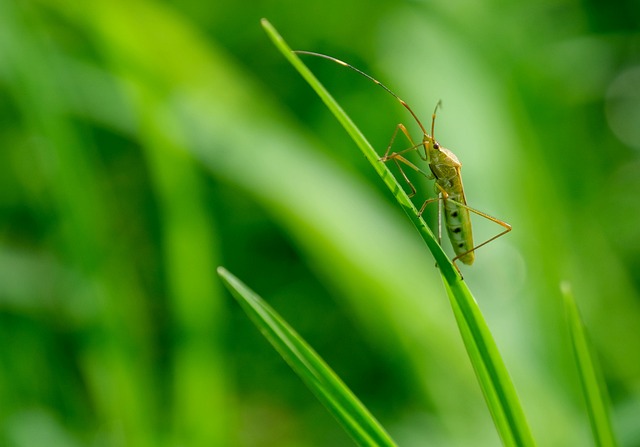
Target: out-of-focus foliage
144	143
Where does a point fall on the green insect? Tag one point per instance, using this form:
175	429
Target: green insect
444	168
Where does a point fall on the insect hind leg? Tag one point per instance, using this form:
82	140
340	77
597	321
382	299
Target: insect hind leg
503	224
442	195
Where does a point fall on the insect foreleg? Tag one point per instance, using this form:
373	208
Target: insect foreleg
398	158
413	146
393	138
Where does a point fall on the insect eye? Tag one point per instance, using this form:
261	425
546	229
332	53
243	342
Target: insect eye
436	145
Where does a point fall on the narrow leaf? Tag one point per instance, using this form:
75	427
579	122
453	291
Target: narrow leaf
316	374
492	374
369	152
593	387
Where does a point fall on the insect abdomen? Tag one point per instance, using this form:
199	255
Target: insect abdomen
458	223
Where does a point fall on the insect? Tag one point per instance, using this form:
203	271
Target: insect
444	168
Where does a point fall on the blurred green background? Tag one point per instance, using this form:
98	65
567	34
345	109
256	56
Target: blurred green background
145	143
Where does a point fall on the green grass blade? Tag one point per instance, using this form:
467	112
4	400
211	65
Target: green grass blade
593	387
495	382
493	377
316	374
369	152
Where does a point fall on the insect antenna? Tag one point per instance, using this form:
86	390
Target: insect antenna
375	81
433	119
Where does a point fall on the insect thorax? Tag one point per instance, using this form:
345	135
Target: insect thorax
443	163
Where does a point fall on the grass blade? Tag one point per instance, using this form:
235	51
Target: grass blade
316	374
593	387
492	374
493	377
369	152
